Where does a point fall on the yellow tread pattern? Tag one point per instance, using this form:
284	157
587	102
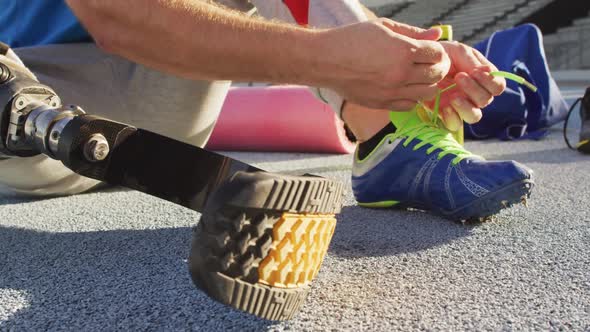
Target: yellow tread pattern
300	243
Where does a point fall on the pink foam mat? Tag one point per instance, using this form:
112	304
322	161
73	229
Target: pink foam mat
278	118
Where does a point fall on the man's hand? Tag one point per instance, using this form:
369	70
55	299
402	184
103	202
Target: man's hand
475	89
382	63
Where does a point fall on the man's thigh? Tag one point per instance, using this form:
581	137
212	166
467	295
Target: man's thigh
111	87
115	88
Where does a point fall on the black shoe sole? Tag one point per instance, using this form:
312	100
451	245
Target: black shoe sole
261	241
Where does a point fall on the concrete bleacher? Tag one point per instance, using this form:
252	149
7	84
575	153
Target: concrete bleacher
569	47
387	8
415	12
424	13
469	18
509	20
477	14
475	20
376	4
391	10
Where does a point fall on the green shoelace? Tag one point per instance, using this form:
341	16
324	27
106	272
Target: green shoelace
429	132
438	138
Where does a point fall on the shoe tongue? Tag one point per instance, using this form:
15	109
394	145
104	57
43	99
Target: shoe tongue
403	119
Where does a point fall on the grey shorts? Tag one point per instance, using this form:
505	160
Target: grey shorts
114	88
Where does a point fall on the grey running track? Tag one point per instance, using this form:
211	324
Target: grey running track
116	260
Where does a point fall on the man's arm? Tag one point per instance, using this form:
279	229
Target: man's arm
198	40
476	87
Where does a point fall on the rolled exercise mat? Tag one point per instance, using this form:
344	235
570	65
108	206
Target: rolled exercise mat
278	118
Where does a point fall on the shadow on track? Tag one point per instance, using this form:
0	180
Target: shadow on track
363	232
138	279
108	280
10	199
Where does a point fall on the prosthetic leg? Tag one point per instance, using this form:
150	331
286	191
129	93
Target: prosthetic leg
261	238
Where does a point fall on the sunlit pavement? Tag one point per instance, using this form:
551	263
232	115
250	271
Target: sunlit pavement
116	259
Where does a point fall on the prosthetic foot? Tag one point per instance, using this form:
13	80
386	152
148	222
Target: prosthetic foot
262	239
262	236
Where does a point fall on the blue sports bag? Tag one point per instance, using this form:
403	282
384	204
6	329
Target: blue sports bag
519	112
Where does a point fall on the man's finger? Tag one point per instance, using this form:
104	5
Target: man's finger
484	61
494	85
477	93
412	31
488	66
466	110
451	119
497	80
462	56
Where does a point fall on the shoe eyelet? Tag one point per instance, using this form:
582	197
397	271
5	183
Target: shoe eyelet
389	141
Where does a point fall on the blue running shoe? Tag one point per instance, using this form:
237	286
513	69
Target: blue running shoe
422	166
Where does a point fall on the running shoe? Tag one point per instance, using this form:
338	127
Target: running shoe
420	165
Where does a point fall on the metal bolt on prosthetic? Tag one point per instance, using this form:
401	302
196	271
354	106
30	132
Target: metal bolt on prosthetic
97	148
